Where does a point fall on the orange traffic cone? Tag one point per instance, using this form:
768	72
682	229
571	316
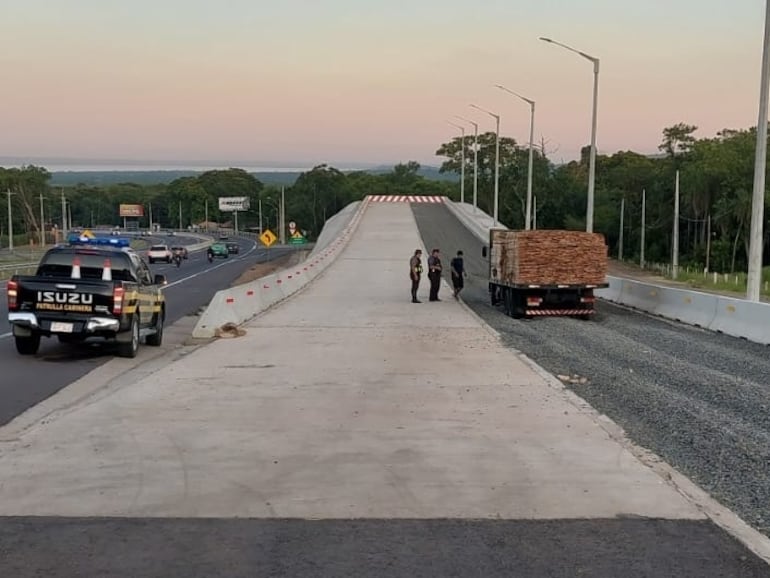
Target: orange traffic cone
107	271
75	268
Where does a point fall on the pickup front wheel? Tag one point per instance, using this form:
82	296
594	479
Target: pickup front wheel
28	345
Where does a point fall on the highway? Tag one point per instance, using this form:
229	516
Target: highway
698	399
25	381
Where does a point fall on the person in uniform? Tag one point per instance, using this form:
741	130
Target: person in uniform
434	274
415	272
458	273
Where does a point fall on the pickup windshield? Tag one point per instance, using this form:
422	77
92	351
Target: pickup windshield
59	264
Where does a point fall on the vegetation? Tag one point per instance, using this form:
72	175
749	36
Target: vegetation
716	176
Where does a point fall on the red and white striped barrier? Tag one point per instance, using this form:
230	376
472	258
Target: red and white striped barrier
405	199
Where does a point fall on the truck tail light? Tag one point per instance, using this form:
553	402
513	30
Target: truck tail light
534	301
117	300
13	295
588	299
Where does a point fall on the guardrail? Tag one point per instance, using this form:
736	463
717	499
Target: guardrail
8	271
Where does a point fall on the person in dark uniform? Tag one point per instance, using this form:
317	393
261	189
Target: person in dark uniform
434	274
415	272
458	273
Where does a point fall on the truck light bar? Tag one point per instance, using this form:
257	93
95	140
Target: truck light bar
100	241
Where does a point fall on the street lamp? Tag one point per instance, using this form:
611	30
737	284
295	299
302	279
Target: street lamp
592	157
462	160
754	280
475	161
497	157
528	217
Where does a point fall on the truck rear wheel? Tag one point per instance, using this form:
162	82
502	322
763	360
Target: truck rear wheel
28	345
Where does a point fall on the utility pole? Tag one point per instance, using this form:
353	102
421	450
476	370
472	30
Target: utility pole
708	243
10	221
644	226
756	235
283	217
675	241
63	215
620	240
207	214
236	221
150	218
180	215
42	223
259	202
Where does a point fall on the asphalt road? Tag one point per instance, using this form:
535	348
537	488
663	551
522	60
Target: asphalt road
25	381
204	548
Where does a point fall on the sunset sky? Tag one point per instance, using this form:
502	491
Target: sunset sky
299	82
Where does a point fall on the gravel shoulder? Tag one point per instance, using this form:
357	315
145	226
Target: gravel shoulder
700	400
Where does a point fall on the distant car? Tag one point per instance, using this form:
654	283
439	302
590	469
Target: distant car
223	237
159	253
219	250
179	250
232	248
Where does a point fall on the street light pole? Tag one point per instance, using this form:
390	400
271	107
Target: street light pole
497	158
462	160
754	280
592	156
475	161
528	216
644	227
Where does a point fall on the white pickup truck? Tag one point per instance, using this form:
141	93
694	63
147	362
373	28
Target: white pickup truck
159	253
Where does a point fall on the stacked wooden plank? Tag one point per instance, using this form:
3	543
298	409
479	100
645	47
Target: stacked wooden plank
550	257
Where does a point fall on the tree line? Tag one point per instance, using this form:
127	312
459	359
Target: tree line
716	182
716	179
187	201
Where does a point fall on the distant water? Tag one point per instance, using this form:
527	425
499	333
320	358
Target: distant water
107	165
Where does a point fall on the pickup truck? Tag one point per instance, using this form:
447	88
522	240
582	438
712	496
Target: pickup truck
94	288
159	253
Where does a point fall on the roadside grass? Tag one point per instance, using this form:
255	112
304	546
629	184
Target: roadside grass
727	282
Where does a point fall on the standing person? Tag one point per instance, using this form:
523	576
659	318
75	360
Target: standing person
434	274
458	273
415	271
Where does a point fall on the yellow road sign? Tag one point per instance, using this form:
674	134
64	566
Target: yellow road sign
87	234
268	238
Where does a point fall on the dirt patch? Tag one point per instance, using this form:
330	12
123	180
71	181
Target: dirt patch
263	269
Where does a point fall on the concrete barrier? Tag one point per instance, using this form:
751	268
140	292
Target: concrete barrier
735	317
242	302
474	219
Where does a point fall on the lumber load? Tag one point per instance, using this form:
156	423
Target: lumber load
549	257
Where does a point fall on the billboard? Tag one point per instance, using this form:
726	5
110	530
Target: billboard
132	210
233	203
